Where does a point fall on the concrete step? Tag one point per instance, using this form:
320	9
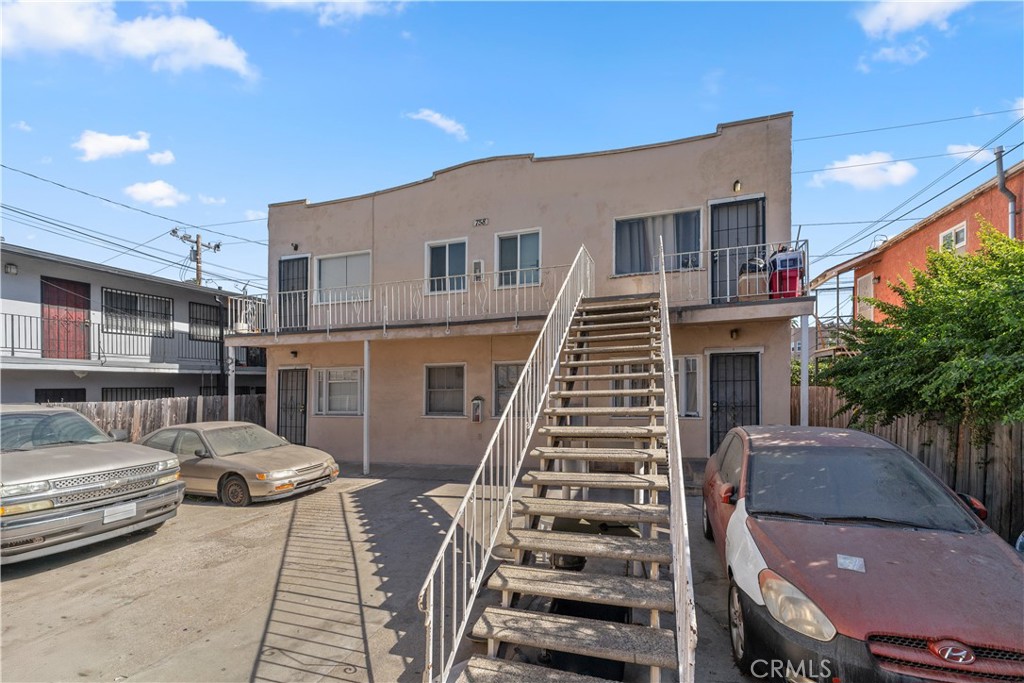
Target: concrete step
590	545
595	304
594	350
487	670
585	432
604	338
601	589
598	393
577	327
608	316
643	411
598	480
628	643
633	513
657	455
654	374
614	360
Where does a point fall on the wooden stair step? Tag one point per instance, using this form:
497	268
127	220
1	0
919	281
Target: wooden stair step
628	643
608	362
589	545
488	670
614	337
586	432
577	327
598	393
657	455
615	315
598	480
594	304
653	374
591	350
601	589
642	411
634	513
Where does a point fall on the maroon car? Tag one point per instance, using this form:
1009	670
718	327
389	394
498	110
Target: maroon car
850	562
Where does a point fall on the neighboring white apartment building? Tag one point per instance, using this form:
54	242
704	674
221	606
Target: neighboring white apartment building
74	331
402	317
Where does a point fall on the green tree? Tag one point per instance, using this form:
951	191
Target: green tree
951	349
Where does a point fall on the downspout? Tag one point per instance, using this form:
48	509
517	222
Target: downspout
1010	196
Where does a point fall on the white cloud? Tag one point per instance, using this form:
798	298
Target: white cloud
892	17
99	145
212	201
406	35
340	11
251	215
983	156
866	172
161	158
1018	107
712	82
169	43
22	126
157	193
448	125
911	53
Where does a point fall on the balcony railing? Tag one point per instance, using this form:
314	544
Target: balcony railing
756	272
60	338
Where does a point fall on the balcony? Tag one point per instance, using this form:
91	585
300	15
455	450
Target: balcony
769	274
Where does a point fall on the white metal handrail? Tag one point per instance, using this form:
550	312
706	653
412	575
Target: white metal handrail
482	518
682	576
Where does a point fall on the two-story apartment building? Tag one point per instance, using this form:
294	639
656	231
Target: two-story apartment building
73	331
399	320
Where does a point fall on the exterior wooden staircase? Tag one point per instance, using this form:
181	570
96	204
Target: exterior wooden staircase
611	367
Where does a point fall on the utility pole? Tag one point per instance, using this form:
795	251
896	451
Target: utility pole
197	250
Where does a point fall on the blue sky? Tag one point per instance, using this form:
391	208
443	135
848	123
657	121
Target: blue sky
203	113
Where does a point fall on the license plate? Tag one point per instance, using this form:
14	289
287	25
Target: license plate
118	512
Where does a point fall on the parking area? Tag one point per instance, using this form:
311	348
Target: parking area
318	588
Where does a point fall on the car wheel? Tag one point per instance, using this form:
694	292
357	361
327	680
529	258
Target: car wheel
744	646
709	533
234	492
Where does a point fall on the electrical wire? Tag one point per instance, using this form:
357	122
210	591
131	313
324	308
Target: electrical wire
904	125
880	163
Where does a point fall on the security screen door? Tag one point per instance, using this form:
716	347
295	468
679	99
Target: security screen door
293	292
292	394
735	393
737	235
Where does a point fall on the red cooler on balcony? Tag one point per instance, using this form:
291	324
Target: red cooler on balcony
785	269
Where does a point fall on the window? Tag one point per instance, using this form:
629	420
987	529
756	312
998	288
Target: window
188	444
687	376
343	278
339	391
76	395
203	322
519	259
446	266
954	239
865	290
134	313
732	463
505	377
636	242
620	384
446	390
135	393
163	440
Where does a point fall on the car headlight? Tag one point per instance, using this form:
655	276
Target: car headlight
278	474
166	464
19	508
790	607
24	489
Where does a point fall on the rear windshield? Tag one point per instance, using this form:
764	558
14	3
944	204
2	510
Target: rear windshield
242	439
869	483
29	431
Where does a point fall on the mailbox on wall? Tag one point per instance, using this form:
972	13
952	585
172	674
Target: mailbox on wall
478	409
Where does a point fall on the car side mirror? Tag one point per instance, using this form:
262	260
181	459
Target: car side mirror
727	494
118	434
977	507
201	452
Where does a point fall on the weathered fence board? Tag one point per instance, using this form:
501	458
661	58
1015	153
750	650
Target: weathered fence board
993	473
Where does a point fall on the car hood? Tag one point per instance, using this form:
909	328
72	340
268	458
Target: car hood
58	462
931	584
280	458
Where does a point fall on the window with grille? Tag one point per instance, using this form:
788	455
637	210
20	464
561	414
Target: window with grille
76	395
136	393
134	313
505	377
203	322
446	390
339	391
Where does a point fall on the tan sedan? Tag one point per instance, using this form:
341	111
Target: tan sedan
240	462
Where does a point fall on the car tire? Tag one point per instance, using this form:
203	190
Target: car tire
709	533
745	648
234	492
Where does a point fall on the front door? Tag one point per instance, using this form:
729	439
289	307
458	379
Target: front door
65	309
735	393
737	237
291	405
293	293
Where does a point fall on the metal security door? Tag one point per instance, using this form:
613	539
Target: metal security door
737	236
292	293
291	405
65	318
735	393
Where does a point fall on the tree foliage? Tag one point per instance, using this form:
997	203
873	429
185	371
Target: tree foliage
951	349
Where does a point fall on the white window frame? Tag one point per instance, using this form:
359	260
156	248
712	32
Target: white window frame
700	265
494	383
316	277
321	391
679	368
426	389
630	401
865	289
426	266
519	270
958	247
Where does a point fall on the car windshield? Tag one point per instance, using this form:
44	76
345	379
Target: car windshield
850	485
29	431
242	439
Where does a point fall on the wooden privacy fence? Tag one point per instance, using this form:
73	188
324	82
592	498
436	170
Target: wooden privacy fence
139	418
993	473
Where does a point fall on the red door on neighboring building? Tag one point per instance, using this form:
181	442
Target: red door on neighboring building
65	318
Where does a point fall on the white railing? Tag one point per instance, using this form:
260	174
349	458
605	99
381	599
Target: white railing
754	272
682	577
482	518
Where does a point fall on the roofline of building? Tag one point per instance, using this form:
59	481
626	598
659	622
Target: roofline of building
532	158
856	261
7	248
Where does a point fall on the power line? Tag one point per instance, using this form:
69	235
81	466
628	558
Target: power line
905	125
134	247
817	225
880	163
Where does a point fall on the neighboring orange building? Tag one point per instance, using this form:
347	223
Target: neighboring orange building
954	226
